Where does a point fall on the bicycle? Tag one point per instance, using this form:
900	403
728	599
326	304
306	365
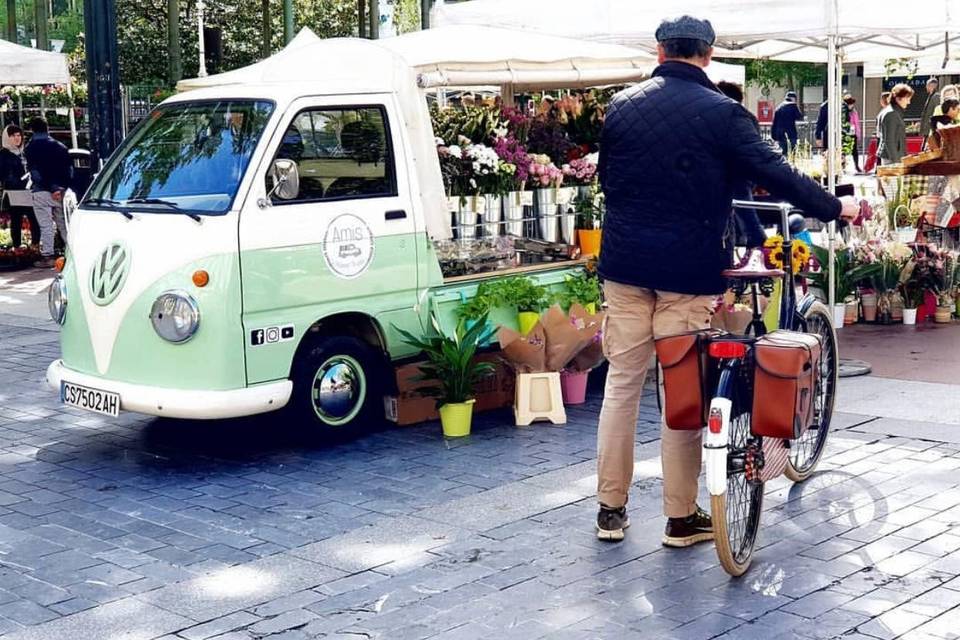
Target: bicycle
738	463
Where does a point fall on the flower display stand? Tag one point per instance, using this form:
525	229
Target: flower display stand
539	397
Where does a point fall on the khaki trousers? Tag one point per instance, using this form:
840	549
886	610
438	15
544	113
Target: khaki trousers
49	212
635	316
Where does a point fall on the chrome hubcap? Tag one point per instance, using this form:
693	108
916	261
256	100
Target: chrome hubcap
339	389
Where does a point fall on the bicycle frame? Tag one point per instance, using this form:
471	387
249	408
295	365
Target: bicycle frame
791	318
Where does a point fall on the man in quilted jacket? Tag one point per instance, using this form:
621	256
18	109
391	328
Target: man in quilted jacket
672	153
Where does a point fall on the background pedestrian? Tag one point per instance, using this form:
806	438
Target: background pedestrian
784	127
13	171
893	126
50	172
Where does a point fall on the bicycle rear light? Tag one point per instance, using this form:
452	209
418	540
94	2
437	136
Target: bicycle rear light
715	421
728	350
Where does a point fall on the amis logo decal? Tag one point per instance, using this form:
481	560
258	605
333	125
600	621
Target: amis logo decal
348	246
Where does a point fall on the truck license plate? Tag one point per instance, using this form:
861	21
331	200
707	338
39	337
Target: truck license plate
105	402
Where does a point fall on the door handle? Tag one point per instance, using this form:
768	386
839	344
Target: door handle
398	214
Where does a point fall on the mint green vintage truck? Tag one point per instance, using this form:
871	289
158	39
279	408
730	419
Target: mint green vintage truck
254	245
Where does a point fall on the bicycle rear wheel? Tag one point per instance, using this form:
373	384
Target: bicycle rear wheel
807	450
736	513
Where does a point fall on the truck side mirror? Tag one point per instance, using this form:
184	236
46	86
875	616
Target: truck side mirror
286	179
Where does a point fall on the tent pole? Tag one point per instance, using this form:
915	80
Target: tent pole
73	117
833	120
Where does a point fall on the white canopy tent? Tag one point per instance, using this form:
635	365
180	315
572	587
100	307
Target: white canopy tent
831	31
23	65
290	54
472	55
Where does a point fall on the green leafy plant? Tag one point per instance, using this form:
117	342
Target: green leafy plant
583	288
848	274
483	301
590	212
520	292
451	360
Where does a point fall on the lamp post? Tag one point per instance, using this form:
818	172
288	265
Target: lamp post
202	71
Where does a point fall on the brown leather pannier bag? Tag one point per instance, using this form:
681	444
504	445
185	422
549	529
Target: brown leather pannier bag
785	380
686	378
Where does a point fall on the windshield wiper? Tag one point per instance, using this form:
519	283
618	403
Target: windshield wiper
110	204
165	203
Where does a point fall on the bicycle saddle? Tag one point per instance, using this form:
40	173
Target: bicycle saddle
754	268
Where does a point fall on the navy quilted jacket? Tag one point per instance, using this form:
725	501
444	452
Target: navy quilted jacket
673	152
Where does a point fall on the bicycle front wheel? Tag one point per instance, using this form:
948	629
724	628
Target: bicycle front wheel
807	450
736	512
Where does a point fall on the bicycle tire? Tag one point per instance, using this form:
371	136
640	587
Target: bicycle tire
806	451
736	513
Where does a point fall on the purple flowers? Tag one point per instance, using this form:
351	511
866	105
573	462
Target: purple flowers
512	152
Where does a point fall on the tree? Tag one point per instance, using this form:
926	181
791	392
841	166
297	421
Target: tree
40	15
175	67
267	27
790	75
12	20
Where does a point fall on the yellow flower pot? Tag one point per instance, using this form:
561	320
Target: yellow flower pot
527	320
589	240
455	418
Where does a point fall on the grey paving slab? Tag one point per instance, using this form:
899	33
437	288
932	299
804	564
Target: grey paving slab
125	620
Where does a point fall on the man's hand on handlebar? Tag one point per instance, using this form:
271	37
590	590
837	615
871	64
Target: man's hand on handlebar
850	210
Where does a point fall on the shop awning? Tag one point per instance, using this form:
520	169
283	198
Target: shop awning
23	65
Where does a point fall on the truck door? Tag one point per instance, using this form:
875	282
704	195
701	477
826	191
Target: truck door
341	241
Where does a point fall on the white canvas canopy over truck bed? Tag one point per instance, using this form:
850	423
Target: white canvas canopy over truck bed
257	242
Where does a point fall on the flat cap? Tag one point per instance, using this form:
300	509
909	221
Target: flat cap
686	27
791	95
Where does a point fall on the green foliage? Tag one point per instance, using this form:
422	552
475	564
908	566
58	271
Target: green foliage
481	303
406	15
520	292
791	75
590	210
451	360
583	288
848	274
142	32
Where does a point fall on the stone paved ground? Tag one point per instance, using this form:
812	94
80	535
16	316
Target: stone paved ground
140	528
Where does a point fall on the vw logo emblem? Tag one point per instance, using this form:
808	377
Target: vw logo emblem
109	273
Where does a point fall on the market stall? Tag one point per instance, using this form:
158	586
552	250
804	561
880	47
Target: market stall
26	66
831	31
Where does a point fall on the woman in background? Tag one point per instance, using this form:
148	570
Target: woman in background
893	127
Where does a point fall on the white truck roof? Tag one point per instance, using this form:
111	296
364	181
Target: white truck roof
310	66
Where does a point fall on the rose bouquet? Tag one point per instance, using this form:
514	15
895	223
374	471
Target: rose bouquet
581	171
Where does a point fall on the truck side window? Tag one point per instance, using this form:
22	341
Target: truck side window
340	153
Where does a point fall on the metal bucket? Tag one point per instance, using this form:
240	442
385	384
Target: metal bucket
568	224
470	208
513	213
491	215
545	207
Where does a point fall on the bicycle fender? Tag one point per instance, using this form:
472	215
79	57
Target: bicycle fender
715	446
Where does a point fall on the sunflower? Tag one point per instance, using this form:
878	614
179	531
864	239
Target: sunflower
773	252
801	256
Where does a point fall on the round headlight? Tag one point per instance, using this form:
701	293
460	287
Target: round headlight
175	316
57	300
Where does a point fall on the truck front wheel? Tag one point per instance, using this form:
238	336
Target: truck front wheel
337	385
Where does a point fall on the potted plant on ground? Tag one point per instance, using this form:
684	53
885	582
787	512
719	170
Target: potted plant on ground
847	276
452	365
892	256
943	267
913	287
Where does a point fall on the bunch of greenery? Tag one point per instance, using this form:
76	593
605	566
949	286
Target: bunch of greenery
451	360
847	273
520	292
590	211
583	288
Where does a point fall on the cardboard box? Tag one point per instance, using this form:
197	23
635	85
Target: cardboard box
409	407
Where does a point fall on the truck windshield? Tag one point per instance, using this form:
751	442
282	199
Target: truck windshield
187	157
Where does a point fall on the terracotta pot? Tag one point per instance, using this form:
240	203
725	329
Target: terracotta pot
851	312
943	315
589	241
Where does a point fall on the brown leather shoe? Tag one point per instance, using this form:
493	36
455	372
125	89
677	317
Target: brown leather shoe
685	532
